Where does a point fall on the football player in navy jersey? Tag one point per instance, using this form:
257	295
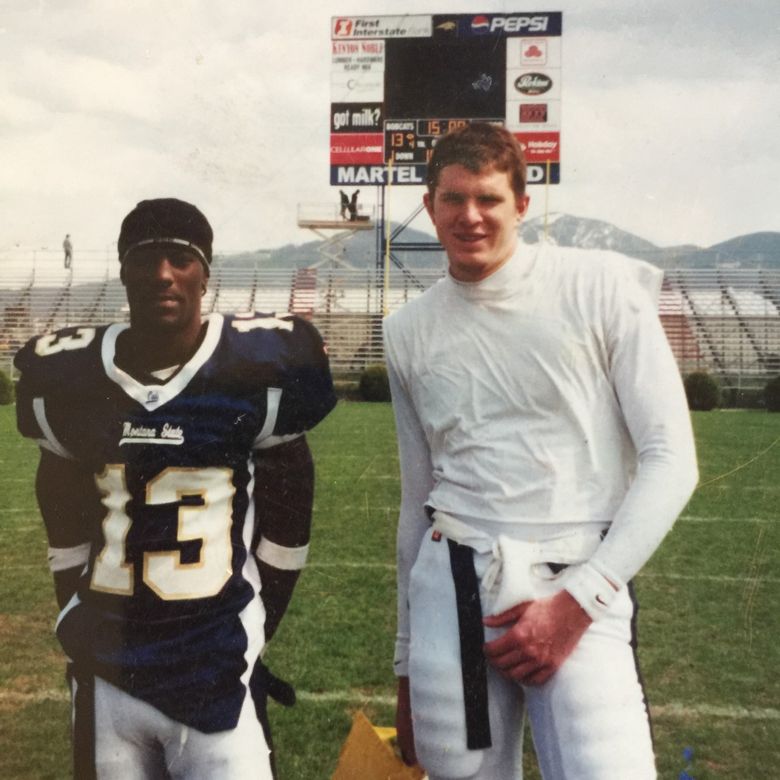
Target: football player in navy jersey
176	485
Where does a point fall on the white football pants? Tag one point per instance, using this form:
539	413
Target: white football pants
589	721
135	741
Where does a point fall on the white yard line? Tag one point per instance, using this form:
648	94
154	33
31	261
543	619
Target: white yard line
705	519
708	577
15	698
349	696
679	710
391	567
670	710
394	509
648	575
350	565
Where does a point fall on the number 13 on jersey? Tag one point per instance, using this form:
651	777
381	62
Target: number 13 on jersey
163	571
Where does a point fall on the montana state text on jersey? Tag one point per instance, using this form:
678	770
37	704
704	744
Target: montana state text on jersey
168	604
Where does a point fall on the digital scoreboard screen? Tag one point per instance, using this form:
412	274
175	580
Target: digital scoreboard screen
412	140
400	82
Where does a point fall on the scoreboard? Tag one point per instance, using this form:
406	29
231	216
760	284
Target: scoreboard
412	141
398	83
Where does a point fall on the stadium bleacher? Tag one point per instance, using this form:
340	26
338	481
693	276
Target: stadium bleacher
724	321
732	316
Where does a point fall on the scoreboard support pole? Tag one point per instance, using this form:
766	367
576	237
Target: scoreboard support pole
386	259
387	240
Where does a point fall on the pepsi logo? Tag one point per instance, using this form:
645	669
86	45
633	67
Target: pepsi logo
480	25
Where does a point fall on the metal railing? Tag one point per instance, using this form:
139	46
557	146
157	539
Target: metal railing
725	322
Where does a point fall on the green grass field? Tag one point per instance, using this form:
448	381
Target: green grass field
709	626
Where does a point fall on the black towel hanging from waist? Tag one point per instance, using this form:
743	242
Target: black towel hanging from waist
472	638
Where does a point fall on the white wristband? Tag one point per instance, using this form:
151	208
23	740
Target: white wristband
591	589
286	558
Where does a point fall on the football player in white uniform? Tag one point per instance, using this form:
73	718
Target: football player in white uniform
546	449
176	485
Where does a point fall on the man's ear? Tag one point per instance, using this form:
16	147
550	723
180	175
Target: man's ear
522	206
428	203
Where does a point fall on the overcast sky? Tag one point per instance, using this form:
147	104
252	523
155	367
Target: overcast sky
670	114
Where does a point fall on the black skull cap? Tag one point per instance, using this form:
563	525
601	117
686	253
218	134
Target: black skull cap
166	221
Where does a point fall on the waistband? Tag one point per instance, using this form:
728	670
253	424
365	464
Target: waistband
560	542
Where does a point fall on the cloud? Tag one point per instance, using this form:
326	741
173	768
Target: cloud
87	85
667	108
684	150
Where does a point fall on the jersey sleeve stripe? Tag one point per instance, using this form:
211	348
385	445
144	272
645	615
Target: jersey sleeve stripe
274	398
50	441
74	602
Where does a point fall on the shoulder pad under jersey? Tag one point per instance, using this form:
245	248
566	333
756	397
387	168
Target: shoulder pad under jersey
288	352
53	366
46	361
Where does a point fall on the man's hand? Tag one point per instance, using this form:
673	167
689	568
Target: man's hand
403	723
541	636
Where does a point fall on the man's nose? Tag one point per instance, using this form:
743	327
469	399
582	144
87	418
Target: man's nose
162	270
469	212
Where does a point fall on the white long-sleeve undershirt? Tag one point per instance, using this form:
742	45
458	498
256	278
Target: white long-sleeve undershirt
544	394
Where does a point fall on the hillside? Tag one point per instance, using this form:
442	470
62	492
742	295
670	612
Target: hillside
754	250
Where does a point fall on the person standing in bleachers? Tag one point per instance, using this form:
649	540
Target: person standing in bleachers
67	246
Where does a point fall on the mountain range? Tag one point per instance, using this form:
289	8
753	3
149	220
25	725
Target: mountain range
416	249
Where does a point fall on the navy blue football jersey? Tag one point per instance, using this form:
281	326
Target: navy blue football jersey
168	607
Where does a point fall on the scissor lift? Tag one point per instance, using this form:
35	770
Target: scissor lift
325	221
